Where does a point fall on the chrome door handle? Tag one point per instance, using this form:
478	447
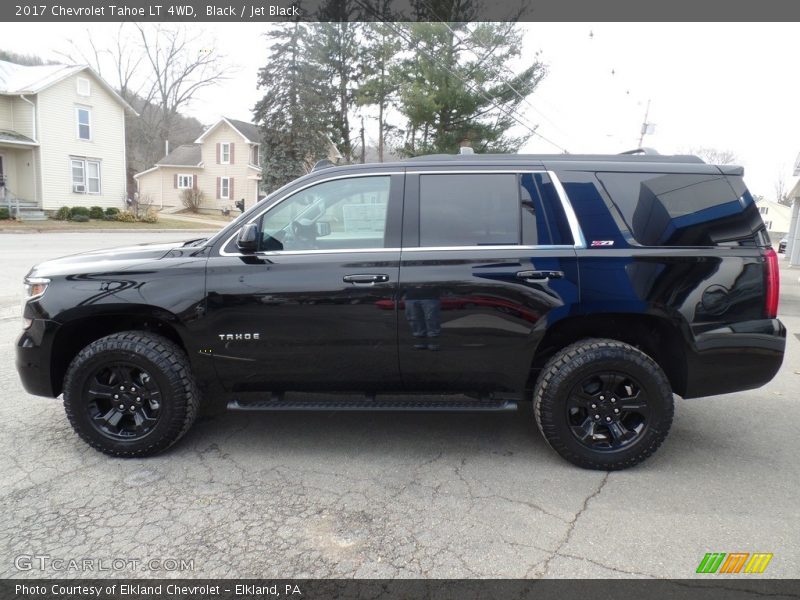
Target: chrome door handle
365	279
540	275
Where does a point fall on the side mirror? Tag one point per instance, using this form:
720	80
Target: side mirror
323	229
247	240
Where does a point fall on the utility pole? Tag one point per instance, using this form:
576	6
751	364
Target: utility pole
645	125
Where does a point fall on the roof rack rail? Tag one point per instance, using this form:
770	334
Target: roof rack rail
646	151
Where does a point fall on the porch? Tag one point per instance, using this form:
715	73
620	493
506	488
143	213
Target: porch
19	176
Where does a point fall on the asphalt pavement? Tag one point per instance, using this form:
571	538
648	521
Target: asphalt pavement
389	495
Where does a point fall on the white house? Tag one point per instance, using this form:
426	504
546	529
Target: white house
62	138
777	217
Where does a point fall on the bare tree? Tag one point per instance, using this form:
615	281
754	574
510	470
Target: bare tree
781	196
180	66
713	156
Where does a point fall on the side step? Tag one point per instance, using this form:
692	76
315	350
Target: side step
367	404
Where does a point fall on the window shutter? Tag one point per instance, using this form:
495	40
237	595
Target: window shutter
217	158
194	181
218	183
175	180
230	181
231	146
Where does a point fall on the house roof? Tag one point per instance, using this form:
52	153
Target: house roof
248	131
12	137
22	79
187	155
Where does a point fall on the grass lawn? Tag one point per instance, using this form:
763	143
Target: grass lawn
53	225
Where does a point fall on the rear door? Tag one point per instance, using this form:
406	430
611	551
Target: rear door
488	259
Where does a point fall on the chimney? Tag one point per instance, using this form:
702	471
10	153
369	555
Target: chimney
166	147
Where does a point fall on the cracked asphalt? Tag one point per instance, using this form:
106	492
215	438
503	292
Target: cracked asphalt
393	495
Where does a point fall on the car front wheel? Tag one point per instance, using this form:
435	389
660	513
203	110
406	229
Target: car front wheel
130	394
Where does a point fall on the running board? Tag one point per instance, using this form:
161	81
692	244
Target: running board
366	404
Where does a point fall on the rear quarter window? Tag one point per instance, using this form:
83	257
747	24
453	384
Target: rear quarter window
677	209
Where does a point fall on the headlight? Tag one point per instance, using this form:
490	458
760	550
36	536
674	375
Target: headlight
35	287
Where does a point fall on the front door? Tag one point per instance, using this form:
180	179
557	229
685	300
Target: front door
488	259
315	307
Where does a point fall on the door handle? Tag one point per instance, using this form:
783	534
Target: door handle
365	279
540	275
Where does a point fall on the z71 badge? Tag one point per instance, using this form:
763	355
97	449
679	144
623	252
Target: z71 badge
596	243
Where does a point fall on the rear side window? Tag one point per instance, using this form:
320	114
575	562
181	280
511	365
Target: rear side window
468	210
678	209
490	210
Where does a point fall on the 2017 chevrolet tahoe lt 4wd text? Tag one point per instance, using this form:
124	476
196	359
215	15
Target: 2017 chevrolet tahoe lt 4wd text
595	287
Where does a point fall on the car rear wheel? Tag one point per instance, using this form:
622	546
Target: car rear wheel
130	394
603	404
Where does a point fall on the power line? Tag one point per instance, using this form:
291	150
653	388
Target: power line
507	69
472	87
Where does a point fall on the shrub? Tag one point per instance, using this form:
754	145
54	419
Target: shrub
96	212
150	216
80	218
62	214
4	214
78	210
192	199
112	211
126	217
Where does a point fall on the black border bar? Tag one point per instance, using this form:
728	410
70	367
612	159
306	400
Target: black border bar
190	11
706	588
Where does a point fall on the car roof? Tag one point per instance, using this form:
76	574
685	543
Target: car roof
578	162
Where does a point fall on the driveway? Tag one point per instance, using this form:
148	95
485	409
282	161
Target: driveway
392	495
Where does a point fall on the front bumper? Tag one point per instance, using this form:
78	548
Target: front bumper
34	349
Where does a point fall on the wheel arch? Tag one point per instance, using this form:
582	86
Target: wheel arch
75	334
657	337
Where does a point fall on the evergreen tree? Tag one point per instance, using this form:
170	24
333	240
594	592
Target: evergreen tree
293	116
457	86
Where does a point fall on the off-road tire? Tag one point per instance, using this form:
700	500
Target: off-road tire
165	361
579	360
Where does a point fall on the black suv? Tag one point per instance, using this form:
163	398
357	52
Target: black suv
594	287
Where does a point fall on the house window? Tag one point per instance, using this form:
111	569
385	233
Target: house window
84	123
225	153
85	176
225	188
769	225
255	155
763	209
185	182
84	87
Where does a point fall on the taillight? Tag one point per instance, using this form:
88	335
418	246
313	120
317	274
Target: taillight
772	280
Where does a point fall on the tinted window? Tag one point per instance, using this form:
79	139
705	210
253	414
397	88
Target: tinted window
339	214
675	209
543	218
469	210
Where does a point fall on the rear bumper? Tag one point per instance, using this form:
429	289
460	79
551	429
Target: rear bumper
34	347
742	356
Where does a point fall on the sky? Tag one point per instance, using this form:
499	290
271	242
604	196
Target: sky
726	86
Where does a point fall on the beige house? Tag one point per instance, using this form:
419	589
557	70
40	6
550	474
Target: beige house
62	139
224	163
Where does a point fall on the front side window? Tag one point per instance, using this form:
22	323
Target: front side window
85	176
334	215
225	188
225	153
185	182
84	123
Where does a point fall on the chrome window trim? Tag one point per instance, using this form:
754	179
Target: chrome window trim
572	219
258	215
